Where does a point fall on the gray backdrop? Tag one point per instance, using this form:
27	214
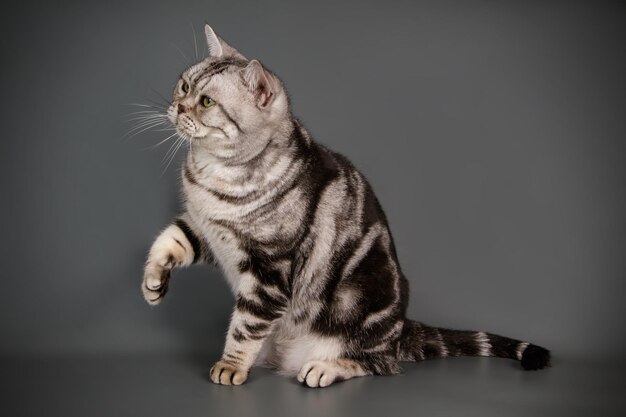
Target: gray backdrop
492	132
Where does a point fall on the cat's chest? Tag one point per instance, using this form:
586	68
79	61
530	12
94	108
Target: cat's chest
230	239
271	219
227	249
215	204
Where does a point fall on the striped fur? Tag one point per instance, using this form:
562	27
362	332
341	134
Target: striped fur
299	235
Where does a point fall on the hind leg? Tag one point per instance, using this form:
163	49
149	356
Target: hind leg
323	373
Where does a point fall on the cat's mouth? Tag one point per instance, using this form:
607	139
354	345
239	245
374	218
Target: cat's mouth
192	129
186	126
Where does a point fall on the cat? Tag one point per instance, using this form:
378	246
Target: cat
300	236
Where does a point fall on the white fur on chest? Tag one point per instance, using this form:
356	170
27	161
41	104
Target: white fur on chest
226	249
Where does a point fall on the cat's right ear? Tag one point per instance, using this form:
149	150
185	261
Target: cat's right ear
217	47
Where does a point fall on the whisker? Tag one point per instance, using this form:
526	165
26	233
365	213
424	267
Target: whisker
144	122
174	154
181	52
142	129
138	116
139	104
170	150
161	96
145	112
148	113
195	42
157	104
163	141
136	104
157	107
172	147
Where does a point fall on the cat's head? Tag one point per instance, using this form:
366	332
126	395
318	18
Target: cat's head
228	104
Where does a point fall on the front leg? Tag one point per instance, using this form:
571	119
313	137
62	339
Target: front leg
258	307
177	246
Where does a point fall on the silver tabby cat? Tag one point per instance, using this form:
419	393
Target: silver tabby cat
300	236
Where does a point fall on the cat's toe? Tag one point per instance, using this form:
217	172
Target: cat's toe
152	297
154	285
225	373
317	374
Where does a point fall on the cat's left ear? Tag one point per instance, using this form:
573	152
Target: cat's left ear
217	47
261	83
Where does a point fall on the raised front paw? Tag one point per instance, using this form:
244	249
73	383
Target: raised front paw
155	281
226	373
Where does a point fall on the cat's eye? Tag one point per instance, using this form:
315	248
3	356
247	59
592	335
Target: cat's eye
185	87
207	101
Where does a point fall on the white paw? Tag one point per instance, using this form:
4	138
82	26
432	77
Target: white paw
155	282
318	373
225	373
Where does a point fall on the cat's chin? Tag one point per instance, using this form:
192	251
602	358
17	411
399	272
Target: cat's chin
215	134
189	135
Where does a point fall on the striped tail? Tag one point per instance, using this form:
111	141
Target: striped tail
419	342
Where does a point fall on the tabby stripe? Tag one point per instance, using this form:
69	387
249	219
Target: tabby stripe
255	328
246	199
285	187
238	335
255	309
362	249
230	118
233	357
235	360
266	276
191	237
277	302
216	68
179	244
256	336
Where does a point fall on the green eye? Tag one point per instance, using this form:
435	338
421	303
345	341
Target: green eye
207	101
185	87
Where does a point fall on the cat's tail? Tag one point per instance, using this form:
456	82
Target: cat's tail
419	342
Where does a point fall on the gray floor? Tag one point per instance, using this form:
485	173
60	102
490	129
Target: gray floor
177	385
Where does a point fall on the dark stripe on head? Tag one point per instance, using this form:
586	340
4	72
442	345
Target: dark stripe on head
219	67
229	117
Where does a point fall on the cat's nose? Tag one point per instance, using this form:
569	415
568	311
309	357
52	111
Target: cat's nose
181	108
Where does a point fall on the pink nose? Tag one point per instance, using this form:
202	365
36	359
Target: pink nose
181	108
